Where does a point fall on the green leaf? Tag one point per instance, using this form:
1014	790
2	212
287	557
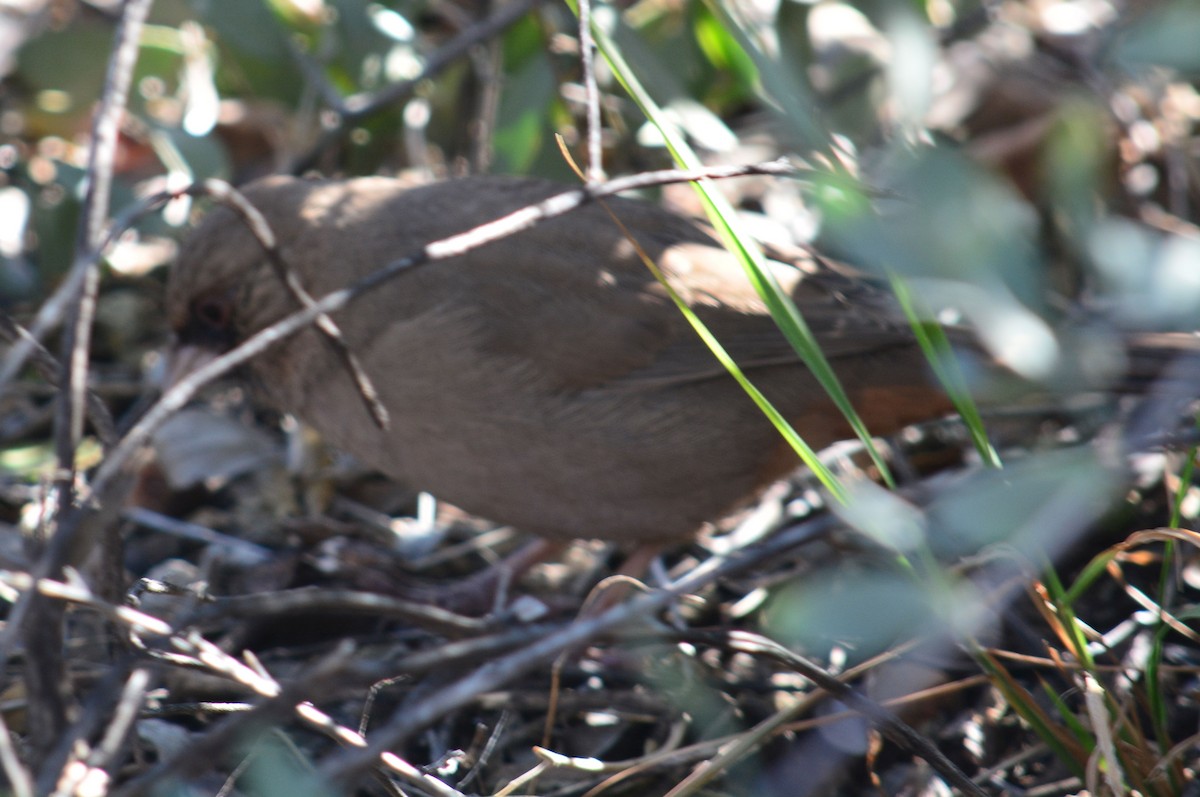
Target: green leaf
522	128
1165	36
785	88
255	58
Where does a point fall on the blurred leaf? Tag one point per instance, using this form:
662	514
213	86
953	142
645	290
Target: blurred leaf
676	678
255	59
962	239
301	14
353	48
791	30
63	89
277	768
1076	157
248	28
735	238
696	52
56	210
196	445
18	281
37	462
522	119
203	156
1149	279
659	73
736	75
370	143
883	516
28	462
1036	506
171	13
522	43
787	90
943	217
161	55
914	54
1165	36
865	611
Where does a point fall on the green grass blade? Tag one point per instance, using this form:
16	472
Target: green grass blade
936	346
725	221
1062	742
1066	616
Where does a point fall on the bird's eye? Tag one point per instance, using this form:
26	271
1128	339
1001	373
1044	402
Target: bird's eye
212	312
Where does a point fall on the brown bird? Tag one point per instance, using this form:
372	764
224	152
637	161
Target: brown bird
545	381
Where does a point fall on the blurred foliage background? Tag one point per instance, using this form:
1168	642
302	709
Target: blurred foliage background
1027	166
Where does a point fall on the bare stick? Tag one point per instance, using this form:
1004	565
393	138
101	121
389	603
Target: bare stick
591	93
69	420
117	721
48	367
128	709
261	230
44	681
507	653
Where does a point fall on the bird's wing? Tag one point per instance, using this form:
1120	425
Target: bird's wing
570	301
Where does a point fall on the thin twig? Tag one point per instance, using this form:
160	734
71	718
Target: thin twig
345	767
889	724
591	93
278	698
64	772
116	732
487	59
507	654
94	217
48	368
257	224
44	681
243	551
306	601
206	748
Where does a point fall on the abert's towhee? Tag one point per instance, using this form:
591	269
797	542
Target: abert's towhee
546	380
